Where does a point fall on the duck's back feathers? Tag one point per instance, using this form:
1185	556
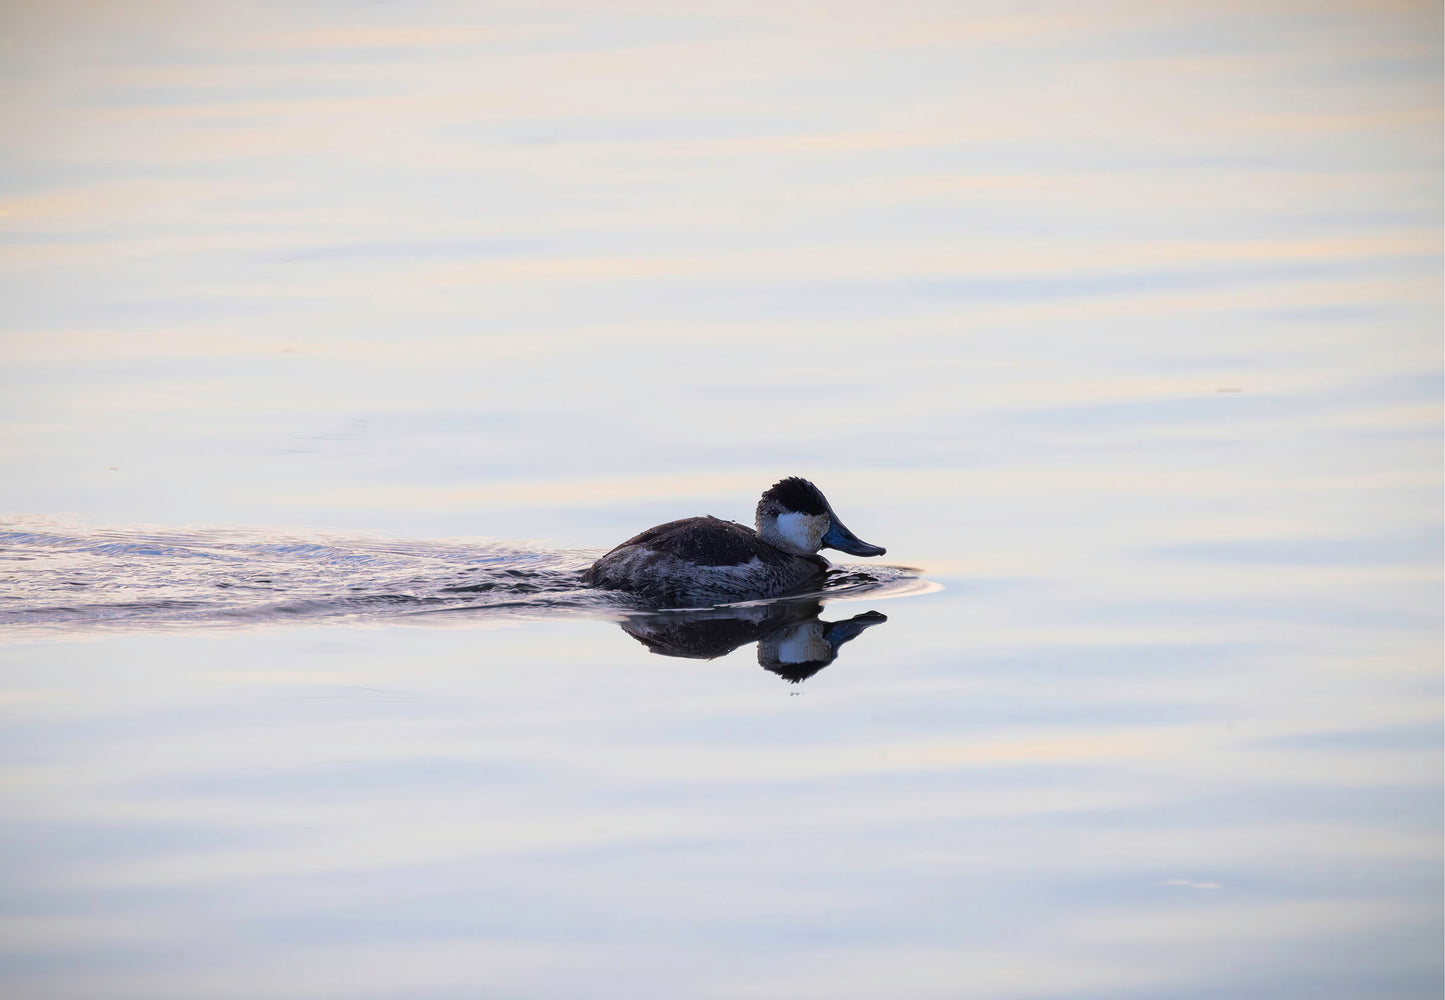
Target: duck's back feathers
706	541
699	561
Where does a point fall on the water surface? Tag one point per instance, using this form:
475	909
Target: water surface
1119	322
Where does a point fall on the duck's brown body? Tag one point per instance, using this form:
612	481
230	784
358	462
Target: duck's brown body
702	561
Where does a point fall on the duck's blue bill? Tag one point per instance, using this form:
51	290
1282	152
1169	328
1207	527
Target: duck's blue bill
840	538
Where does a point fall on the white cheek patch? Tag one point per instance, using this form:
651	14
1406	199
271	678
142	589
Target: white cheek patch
803	531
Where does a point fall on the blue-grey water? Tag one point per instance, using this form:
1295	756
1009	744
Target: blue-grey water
335	339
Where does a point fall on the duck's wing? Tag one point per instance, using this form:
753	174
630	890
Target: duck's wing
700	561
702	541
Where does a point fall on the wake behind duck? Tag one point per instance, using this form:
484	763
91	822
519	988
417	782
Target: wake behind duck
58	576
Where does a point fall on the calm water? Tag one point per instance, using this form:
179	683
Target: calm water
1118	324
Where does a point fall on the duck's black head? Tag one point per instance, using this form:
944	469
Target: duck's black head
795	495
793	515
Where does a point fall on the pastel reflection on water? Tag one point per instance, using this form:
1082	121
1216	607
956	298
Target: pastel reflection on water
339	338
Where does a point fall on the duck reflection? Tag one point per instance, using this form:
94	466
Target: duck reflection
793	641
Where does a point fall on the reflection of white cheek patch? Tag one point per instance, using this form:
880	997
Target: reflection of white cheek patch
802	531
806	645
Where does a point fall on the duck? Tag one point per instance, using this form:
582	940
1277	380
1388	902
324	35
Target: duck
706	561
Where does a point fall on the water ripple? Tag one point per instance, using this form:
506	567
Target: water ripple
65	578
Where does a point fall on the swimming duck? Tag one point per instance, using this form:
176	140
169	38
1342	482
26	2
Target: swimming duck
701	561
